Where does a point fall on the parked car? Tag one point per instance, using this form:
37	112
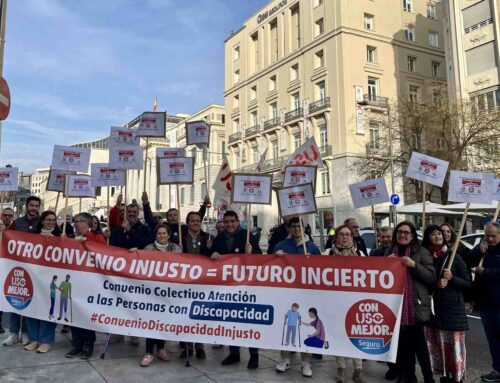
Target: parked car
472	239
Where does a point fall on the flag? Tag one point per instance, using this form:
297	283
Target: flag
155	104
306	154
223	185
260	165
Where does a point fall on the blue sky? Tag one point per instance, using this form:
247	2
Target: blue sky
77	67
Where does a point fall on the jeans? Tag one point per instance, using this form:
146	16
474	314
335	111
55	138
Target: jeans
491	323
15	323
290	331
314	341
305	357
235	350
63	305
41	331
52	304
151	343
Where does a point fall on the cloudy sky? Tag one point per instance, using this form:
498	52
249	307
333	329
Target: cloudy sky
77	67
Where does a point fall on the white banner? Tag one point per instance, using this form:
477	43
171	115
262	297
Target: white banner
300	174
306	154
296	200
197	133
178	170
9	178
55	182
470	187
170	152
427	169
126	157
104	175
369	193
496	189
152	124
123	137
251	188
70	158
79	186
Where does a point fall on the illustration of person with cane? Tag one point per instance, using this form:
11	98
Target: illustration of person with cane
292	320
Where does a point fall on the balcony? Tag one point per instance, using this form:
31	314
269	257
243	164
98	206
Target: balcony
373	149
269	165
269	124
325	151
294	114
318	105
234	137
252	130
372	100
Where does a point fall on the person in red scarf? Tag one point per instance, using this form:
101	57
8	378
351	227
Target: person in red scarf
446	331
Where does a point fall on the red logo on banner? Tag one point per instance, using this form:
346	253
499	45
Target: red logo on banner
297	195
297	173
72	154
18	288
428	165
251	184
175	165
471	182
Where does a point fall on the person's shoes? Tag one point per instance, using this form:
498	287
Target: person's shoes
306	369
183	353
359	376
493	376
43	348
66	320
340	375
253	363
25	339
283	365
65	329
317	356
326	345
134	341
407	379
391	374
59	318
163	355
31	346
200	354
72	353
11	340
86	354
231	359
146	360
286	344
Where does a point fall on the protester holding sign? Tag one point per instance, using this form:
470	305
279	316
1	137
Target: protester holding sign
416	302
446	331
234	241
131	233
173	219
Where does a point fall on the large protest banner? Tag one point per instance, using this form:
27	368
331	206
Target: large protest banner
235	301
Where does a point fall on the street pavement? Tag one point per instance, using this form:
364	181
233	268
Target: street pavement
121	364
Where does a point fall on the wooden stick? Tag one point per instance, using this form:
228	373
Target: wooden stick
423	204
146	164
374	221
179	214
80	205
303	236
249	222
459	234
65	205
57	202
205	155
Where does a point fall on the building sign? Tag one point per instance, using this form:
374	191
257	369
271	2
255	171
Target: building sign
263	16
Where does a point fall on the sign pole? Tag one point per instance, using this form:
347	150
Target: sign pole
179	214
302	234
423	203
80	204
57	202
459	234
205	158
1	211
65	205
108	211
374	221
249	220
146	163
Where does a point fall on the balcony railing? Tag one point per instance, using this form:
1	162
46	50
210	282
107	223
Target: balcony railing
294	114
271	123
325	150
252	130
320	104
373	149
234	137
370	99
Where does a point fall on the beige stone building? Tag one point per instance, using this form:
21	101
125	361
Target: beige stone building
325	68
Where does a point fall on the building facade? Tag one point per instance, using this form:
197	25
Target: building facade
327	69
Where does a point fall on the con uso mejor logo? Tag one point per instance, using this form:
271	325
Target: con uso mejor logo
369	325
18	288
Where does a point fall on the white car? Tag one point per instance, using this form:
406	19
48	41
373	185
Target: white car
472	239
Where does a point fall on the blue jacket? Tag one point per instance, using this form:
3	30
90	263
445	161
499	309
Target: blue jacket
289	246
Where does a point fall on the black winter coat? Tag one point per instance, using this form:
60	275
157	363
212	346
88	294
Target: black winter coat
449	304
220	244
139	236
487	286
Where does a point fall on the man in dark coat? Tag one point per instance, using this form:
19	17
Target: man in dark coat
360	243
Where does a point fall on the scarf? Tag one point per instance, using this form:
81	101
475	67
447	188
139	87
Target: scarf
167	248
438	251
408	317
46	232
346	252
230	238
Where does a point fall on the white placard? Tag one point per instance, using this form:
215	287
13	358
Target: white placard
9	179
152	124
104	175
197	133
126	157
251	188
299	175
177	170
296	200
427	169
123	137
70	158
79	186
369	193
470	187
496	189
170	152
55	182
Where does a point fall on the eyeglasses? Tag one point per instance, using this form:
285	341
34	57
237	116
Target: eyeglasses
344	234
8	215
404	232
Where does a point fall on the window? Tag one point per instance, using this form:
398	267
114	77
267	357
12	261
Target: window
372	88
412	64
436	97
413	93
321	90
435	66
369	21
319	59
236	101
191	196
273	108
296	140
431	11
255	155
272	83
236	53
476	15
319	27
317	3
274	40
98	191
433	39
236	78
480	59
275	149
325	182
323	135
410	33
253	92
236	125
254	120
407	5
374	142
371	54
254	52
295	16
295	101
294	72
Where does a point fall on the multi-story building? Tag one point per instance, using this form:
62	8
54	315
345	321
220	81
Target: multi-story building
472	42
327	69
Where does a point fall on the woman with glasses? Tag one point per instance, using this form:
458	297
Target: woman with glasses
41	333
416	302
446	331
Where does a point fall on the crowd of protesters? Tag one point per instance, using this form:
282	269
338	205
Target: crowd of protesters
436	298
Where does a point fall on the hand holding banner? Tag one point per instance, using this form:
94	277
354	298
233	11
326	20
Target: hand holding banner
299	175
104	175
123	137
70	158
152	124
79	186
296	200
178	170
9	179
251	188
197	133
126	157
369	193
